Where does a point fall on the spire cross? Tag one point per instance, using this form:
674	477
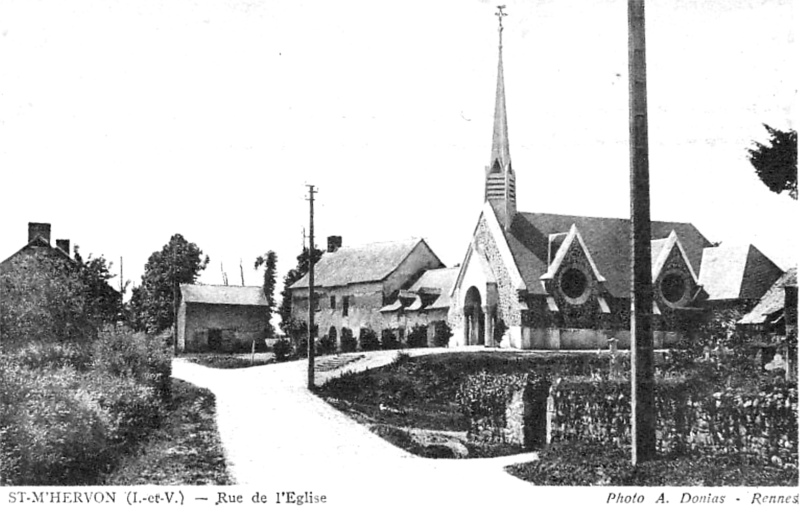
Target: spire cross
500	15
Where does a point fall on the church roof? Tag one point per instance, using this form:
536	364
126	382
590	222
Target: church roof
607	239
773	301
223	295
360	264
736	272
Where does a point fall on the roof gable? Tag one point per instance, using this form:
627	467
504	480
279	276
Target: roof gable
773	300
665	248
361	264
736	272
608	240
223	295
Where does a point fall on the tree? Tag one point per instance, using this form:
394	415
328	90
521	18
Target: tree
291	277
269	260
104	302
776	162
153	302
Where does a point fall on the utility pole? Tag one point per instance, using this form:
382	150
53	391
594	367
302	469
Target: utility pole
174	298
643	415
311	191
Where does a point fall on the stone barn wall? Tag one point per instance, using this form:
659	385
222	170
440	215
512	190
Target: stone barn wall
208	327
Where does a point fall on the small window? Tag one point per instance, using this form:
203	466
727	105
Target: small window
345	305
333	302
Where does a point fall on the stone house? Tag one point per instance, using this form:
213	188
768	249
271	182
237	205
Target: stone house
353	284
552	281
39	242
221	318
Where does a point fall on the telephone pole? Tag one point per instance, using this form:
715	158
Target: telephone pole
311	306
643	415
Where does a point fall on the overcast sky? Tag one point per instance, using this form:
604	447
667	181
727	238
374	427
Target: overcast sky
124	122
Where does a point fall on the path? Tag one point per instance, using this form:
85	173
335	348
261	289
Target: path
278	436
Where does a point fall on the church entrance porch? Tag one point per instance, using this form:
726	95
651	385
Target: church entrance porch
477	320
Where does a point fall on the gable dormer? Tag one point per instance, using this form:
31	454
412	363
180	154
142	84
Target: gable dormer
675	284
572	276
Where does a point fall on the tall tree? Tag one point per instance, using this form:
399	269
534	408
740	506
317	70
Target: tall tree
269	261
152	303
291	277
104	302
776	162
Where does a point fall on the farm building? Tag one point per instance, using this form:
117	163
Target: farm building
221	318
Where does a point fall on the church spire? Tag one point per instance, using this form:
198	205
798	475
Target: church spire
500	180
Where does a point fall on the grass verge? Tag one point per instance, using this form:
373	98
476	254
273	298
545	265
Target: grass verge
185	450
230	361
583	464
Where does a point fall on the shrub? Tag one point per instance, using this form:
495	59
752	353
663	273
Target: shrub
282	348
145	358
418	336
483	397
442	334
369	340
349	342
327	345
53	432
38	355
389	340
500	329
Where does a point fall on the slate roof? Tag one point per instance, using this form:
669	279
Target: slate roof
773	301
607	239
223	295
360	264
736	272
434	280
439	279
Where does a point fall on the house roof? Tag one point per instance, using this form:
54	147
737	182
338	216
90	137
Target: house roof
607	239
773	300
223	295
437	281
360	264
37	245
733	271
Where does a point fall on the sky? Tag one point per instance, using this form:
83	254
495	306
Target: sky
124	122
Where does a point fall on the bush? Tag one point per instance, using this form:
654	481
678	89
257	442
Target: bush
442	334
349	342
369	340
483	397
389	340
144	358
53	432
40	355
418	336
327	345
282	349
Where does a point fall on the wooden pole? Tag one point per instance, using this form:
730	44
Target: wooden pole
643	422
311	192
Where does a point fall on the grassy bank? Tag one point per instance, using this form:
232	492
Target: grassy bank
184	450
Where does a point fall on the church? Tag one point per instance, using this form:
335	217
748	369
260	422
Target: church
553	281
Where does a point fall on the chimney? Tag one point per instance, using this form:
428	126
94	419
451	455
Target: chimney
39	230
334	243
63	245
